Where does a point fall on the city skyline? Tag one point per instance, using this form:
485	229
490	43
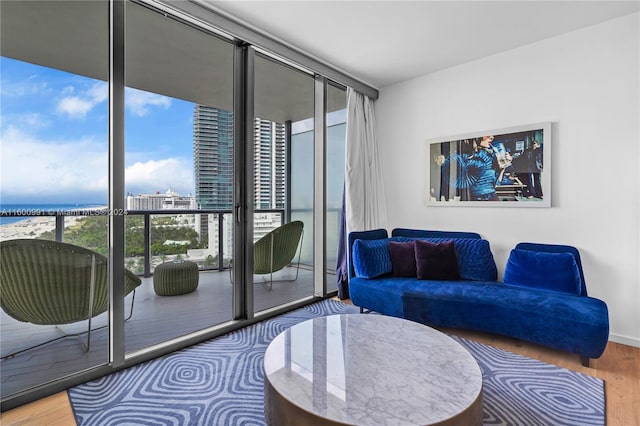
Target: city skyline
54	125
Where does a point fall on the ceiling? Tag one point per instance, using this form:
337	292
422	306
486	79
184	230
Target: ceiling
385	42
377	42
162	56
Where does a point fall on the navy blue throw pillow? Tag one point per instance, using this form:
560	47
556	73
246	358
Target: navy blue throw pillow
436	261
403	258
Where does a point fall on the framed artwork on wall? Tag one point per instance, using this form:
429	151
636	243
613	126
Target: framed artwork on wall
508	167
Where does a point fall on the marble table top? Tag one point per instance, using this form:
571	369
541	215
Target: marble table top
369	369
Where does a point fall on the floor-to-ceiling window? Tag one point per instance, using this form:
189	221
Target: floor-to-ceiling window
178	173
54	162
283	180
178	125
336	128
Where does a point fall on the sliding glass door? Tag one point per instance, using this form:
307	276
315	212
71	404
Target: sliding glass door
336	133
282	184
178	175
156	120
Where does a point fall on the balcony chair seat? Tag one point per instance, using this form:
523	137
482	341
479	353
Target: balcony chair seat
54	283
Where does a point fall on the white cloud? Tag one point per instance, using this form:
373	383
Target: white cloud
138	101
99	92
32	120
77	170
160	175
41	169
26	87
74	107
77	107
68	90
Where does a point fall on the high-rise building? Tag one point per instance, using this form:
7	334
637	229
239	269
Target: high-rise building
213	166
269	169
158	201
213	157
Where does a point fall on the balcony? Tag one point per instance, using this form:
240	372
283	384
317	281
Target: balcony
155	319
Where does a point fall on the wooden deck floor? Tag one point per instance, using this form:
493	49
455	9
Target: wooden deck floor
155	319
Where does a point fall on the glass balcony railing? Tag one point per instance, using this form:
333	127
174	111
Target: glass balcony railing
151	236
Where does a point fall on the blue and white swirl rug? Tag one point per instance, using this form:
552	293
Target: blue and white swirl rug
220	382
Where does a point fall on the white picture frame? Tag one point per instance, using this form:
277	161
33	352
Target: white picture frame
508	167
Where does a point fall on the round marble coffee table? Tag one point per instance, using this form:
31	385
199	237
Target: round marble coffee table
369	369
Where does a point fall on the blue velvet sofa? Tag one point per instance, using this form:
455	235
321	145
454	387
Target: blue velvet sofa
543	298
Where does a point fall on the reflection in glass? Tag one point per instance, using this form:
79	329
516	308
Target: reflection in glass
302	357
178	173
283	174
336	137
336	378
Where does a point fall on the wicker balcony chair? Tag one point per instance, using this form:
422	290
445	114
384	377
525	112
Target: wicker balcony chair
53	283
277	249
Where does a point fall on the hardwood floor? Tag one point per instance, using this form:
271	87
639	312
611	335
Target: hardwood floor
51	411
619	367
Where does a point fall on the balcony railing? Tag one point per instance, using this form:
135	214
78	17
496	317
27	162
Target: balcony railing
199	220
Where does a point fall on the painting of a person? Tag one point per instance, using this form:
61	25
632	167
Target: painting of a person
507	175
484	161
533	161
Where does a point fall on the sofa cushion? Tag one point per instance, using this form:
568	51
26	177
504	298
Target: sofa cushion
475	260
543	270
436	261
403	258
371	258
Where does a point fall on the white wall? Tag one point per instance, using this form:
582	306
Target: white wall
587	84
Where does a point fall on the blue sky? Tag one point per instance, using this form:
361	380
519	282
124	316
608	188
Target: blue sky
54	138
53	129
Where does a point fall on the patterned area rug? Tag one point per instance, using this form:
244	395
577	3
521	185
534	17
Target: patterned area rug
220	382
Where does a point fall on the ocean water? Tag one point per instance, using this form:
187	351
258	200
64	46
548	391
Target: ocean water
20	212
